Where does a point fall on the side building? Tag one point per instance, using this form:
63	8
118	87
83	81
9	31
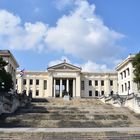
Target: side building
125	77
67	78
12	64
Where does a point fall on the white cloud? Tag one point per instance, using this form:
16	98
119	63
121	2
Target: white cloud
84	35
81	34
16	36
8	23
94	67
58	61
62	4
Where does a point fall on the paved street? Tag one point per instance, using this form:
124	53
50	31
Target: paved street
111	129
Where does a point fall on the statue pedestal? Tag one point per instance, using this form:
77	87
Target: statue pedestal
66	97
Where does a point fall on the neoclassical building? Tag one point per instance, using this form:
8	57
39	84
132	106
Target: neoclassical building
65	77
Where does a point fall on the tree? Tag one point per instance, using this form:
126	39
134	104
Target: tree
2	63
136	65
6	82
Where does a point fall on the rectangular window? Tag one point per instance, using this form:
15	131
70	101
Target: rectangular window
90	83
96	93
102	92
122	88
45	84
37	82
111	82
90	92
129	85
125	86
121	75
37	93
24	81
124	73
31	81
102	82
128	71
82	85
96	83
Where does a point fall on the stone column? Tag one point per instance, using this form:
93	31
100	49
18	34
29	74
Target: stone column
41	87
99	88
54	83
34	87
27	85
50	86
74	93
60	87
68	85
20	85
78	87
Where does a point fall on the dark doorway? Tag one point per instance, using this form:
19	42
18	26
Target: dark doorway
57	88
71	88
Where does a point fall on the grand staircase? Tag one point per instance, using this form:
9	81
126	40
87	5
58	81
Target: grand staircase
76	113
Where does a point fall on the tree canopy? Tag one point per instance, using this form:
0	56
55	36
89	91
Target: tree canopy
136	65
6	82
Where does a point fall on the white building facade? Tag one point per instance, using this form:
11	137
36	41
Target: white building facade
125	77
67	78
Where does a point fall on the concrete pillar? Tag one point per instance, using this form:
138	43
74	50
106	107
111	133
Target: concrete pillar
50	86
68	85
99	88
78	87
107	86
27	85
60	87
41	88
20	85
74	93
54	87
34	87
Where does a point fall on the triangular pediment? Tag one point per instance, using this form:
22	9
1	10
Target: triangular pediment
64	66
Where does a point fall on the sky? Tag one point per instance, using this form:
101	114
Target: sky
93	34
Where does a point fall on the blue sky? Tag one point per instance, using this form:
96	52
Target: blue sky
93	34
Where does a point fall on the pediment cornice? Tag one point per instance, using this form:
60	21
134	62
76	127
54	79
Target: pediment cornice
64	67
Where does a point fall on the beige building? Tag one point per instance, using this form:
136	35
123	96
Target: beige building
12	64
125	77
67	78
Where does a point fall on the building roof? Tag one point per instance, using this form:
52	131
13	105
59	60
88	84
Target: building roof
64	66
7	53
124	62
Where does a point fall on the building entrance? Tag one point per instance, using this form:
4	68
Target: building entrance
63	87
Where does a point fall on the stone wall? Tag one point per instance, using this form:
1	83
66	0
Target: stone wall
131	101
9	103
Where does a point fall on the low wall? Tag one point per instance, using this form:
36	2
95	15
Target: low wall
133	103
10	104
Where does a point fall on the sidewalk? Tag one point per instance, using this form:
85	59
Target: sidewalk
60	130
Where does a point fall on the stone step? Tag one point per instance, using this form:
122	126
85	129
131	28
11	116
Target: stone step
71	136
9	137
